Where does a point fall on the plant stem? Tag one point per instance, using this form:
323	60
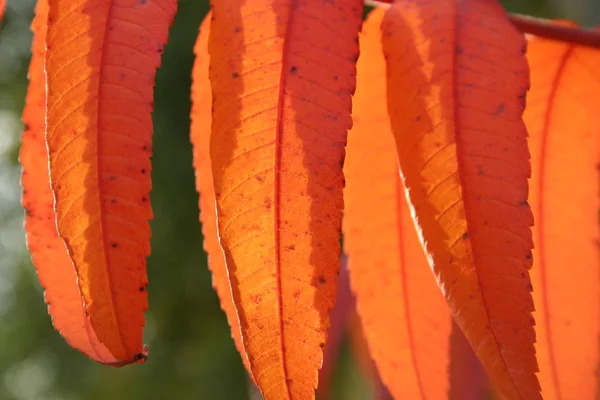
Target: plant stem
539	27
565	33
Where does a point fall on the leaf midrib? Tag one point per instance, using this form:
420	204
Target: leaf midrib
277	186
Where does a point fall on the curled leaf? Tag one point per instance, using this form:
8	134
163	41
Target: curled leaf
201	117
48	251
100	63
457	81
405	318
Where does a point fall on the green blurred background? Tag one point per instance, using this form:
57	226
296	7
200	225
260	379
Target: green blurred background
191	353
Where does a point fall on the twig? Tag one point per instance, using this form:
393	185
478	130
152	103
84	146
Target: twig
539	27
553	31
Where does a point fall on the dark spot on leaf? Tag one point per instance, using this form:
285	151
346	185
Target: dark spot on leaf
260	178
499	109
112	178
459	50
294	68
237	29
143	170
529	256
321	279
113	201
292	247
322	345
465	236
235	75
114	245
524	203
418	118
144	199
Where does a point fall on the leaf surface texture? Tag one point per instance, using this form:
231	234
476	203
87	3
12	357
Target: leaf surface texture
405	318
201	118
100	64
48	251
281	115
457	81
562	120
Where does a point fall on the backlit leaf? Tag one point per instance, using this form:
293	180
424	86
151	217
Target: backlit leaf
48	251
2	9
282	76
200	136
405	318
100	63
457	80
564	129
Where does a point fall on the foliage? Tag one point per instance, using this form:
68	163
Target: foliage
108	328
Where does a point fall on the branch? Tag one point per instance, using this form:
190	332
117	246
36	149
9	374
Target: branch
539	27
549	30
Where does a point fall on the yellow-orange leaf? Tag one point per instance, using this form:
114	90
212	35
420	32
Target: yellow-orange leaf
564	129
457	80
48	252
201	117
404	316
100	64
280	118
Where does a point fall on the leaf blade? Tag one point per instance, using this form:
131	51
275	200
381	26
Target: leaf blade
565	149
405	319
279	130
100	63
456	100
201	118
2	10
49	255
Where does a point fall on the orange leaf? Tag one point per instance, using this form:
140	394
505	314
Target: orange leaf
362	357
562	120
406	321
49	255
200	136
280	119
456	90
2	9
100	63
